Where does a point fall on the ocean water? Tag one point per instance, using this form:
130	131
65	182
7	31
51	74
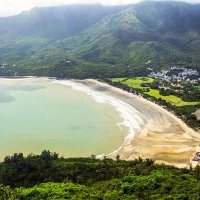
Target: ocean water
38	114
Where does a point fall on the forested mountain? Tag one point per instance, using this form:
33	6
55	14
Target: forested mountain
100	41
54	22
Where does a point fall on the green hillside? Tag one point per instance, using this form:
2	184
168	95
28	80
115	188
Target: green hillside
107	41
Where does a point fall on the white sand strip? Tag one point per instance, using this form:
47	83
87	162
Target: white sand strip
153	131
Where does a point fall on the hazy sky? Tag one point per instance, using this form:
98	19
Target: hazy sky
10	7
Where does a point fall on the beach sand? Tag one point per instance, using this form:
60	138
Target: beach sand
153	131
160	135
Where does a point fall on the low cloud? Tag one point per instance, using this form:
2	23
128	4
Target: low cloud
11	7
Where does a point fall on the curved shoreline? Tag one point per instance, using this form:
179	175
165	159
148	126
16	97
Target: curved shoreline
129	114
160	135
154	132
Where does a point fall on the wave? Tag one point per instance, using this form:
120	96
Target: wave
131	117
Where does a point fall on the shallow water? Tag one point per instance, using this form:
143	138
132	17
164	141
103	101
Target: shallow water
38	114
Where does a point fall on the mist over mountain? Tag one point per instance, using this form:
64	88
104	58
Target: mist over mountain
94	40
54	22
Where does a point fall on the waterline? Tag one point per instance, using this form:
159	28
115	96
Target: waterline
131	117
43	115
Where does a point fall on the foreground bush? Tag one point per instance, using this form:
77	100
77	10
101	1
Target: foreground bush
48	177
157	185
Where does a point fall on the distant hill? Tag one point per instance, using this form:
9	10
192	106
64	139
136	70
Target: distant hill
101	41
54	22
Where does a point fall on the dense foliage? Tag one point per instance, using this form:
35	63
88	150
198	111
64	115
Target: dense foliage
182	101
46	176
100	41
19	171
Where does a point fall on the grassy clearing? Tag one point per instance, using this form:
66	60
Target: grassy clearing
172	99
136	83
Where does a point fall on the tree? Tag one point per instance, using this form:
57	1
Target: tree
47	155
6	193
118	157
197	172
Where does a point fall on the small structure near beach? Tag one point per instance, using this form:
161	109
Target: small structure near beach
196	158
197	114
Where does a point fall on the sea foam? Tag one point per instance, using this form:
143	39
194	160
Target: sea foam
131	117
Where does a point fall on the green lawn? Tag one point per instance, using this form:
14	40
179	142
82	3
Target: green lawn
137	82
174	100
134	82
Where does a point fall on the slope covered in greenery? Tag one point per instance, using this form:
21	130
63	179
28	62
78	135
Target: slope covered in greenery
141	84
54	22
99	41
47	176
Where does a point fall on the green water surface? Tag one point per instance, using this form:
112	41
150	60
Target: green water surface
37	114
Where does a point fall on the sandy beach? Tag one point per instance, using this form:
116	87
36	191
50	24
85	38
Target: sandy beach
154	132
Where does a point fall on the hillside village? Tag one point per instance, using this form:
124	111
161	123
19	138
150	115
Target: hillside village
180	81
177	74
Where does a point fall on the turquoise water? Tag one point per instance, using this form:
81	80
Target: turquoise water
37	114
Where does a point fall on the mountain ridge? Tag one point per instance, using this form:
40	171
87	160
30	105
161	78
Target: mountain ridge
123	39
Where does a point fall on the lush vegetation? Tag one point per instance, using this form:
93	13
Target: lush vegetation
46	176
99	41
172	99
114	41
184	101
143	84
136	82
